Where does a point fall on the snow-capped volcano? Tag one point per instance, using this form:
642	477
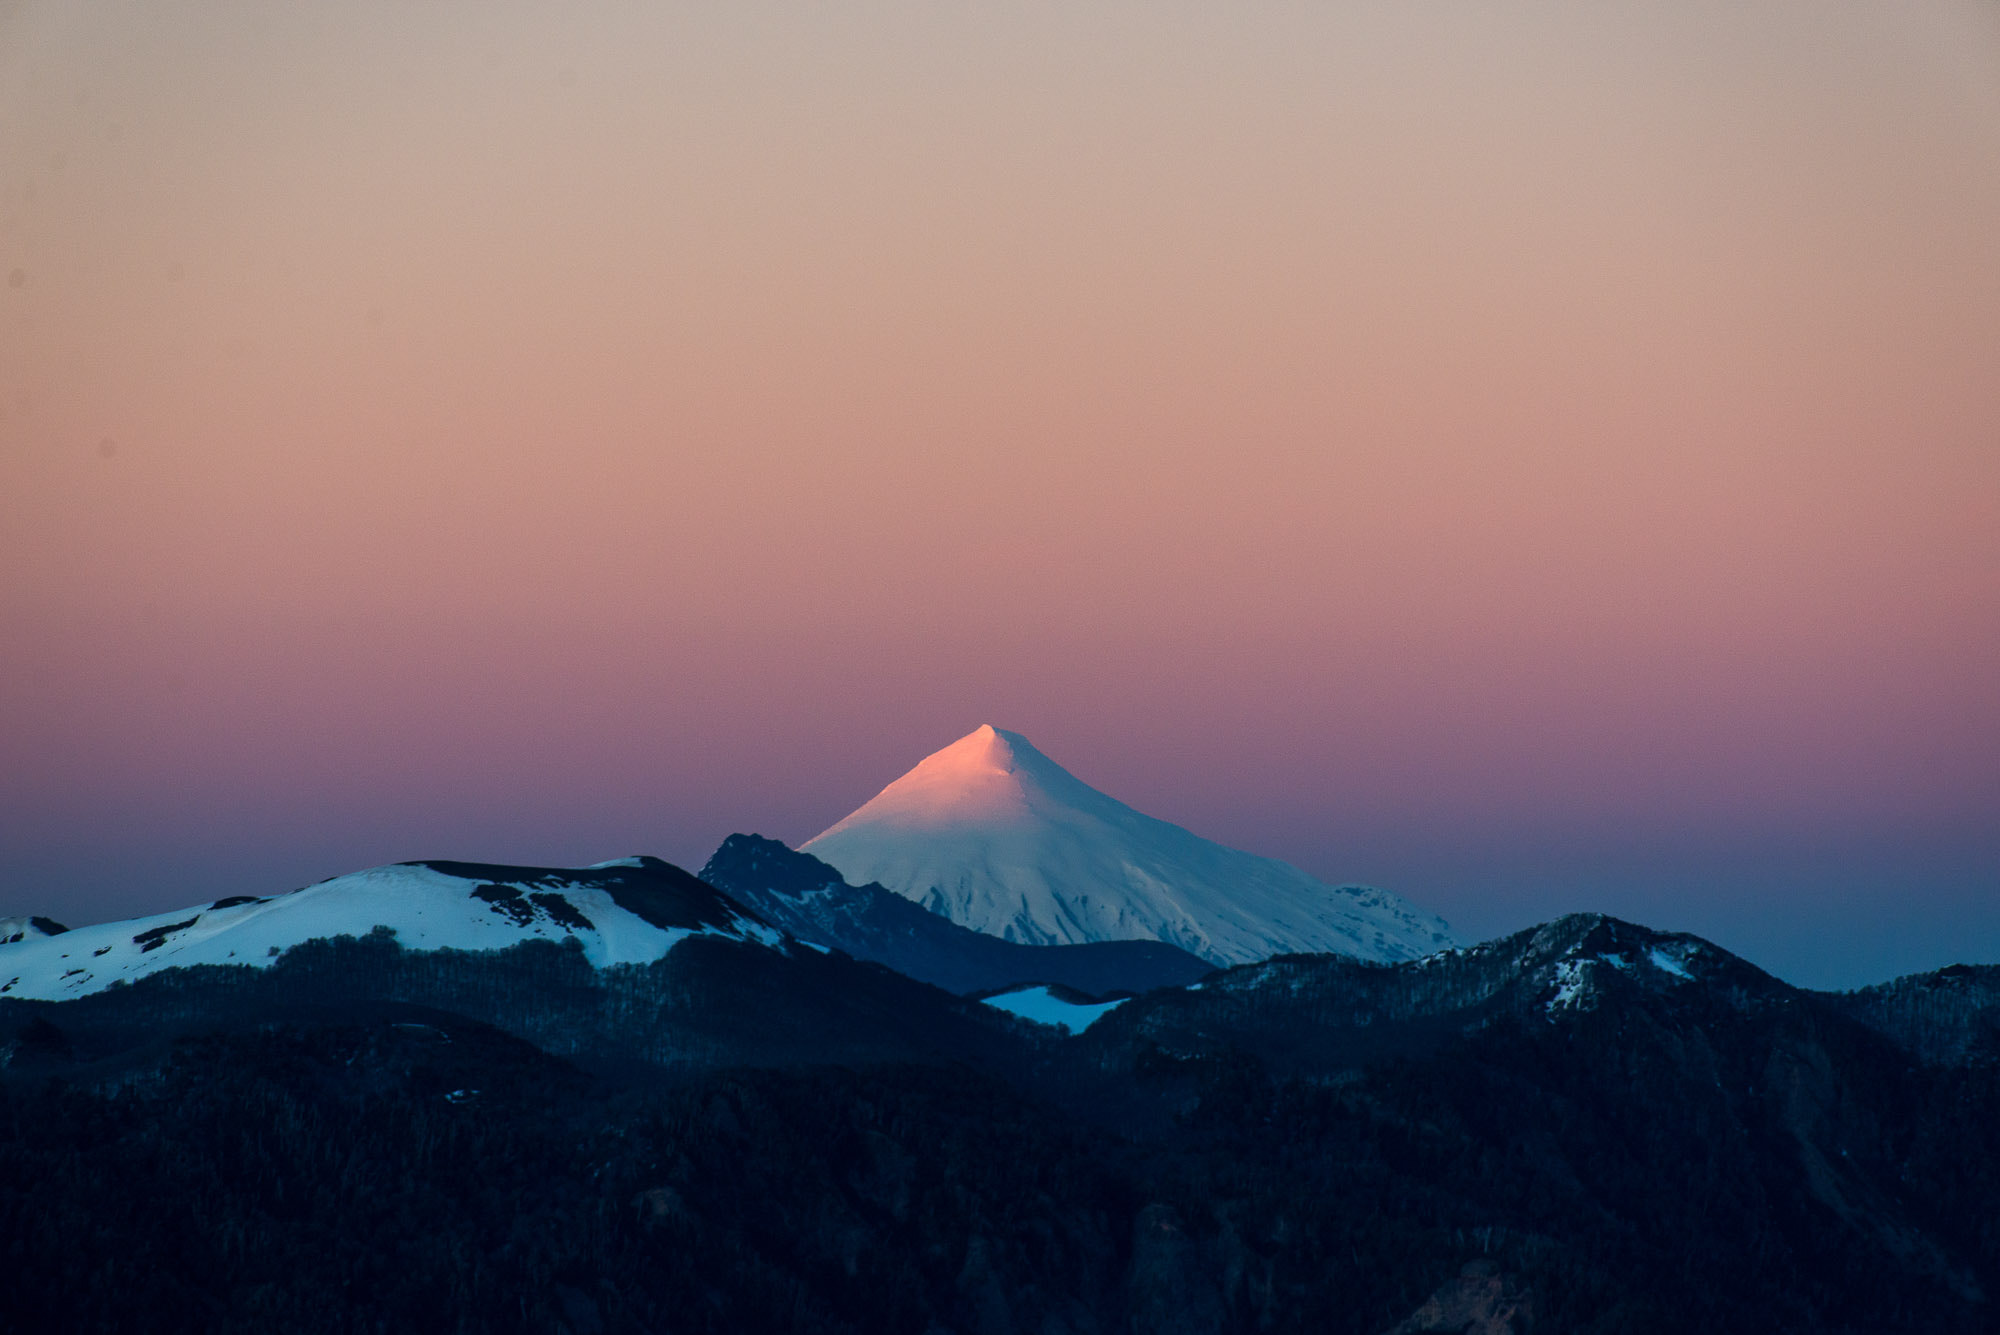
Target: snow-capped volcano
994	835
627	912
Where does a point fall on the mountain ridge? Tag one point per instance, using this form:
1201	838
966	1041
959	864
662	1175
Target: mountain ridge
806	897
628	911
1572	1119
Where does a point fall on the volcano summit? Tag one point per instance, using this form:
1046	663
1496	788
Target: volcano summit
997	837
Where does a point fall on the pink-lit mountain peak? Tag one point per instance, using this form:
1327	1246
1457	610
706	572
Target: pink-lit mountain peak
983	756
989	777
997	837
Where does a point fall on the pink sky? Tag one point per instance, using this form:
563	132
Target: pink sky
1532	457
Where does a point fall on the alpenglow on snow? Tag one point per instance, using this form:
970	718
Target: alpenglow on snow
997	837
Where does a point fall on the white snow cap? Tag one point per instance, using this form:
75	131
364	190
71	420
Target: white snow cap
456	906
994	835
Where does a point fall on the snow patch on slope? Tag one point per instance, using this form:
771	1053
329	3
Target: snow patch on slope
1573	985
1043	1006
1577	979
1667	963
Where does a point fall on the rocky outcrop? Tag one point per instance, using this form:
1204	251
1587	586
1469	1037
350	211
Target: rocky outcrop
1480	1301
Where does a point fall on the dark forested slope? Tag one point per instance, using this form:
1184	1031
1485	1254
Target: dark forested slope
1615	1129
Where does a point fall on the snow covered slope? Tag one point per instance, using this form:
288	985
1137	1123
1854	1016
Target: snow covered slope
24	929
994	835
627	912
800	894
1046	1005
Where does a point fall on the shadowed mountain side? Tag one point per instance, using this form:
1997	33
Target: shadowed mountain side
1316	1014
650	889
1698	1115
808	898
709	1002
1948	1016
1586	1127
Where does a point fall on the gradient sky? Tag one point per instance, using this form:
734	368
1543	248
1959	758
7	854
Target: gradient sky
1534	457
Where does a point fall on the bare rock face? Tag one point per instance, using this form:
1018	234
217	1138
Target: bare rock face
1481	1301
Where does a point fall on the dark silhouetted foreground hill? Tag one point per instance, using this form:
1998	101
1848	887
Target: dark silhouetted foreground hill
1590	1127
